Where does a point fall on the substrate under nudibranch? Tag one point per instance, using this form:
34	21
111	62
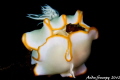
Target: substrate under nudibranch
62	45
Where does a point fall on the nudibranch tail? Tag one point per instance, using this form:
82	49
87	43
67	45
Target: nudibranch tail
93	33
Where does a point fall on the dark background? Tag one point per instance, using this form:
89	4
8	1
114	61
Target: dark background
15	58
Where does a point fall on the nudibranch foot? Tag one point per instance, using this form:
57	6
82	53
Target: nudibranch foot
67	74
75	71
80	70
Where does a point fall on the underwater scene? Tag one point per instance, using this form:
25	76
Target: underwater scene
58	40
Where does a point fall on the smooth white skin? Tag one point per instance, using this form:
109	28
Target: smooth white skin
52	54
37	37
52	51
52	57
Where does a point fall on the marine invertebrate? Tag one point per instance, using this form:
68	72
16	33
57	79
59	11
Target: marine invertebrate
62	45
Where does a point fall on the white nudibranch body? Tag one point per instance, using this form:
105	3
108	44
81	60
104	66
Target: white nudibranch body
62	45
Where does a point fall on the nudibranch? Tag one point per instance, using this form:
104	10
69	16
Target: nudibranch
62	45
